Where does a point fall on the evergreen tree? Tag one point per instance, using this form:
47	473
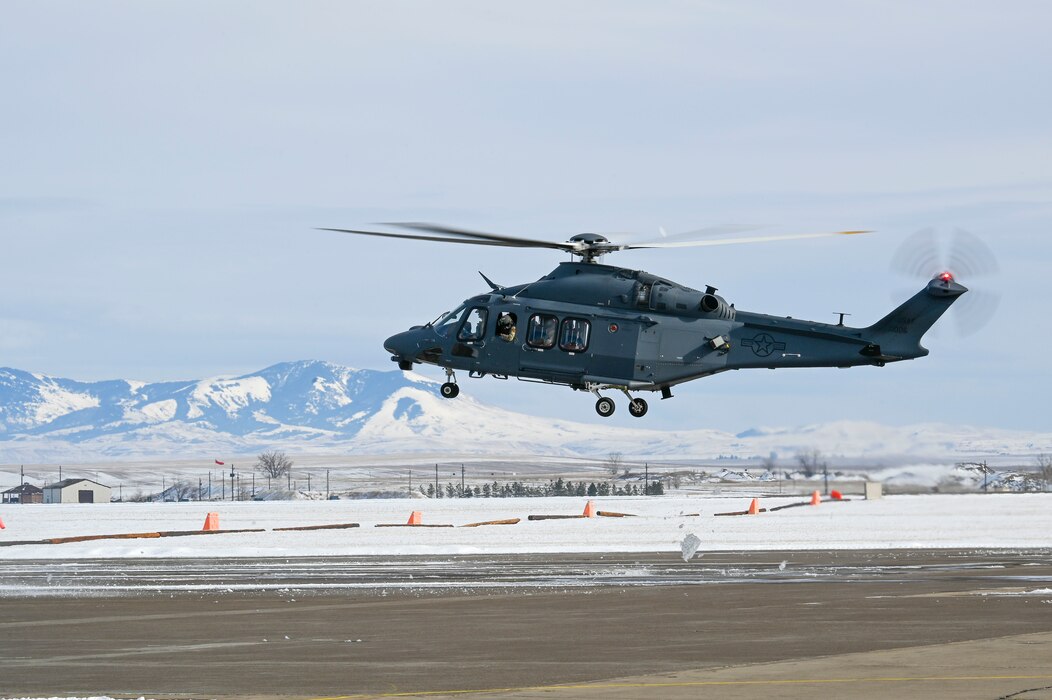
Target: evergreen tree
592	490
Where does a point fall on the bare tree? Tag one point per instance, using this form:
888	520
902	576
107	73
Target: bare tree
1044	469
810	462
769	464
613	463
181	491
273	463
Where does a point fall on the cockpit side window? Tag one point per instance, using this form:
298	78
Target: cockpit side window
574	335
448	321
474	326
541	331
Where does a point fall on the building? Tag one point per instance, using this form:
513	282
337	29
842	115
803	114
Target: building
77	491
26	493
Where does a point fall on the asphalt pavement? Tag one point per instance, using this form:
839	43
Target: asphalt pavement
757	624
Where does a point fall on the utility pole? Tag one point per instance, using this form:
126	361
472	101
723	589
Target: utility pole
198	488
210	484
308	482
163	489
326	484
222	477
461	478
289	474
253	485
646	478
410	482
22	473
436	483
825	474
232	474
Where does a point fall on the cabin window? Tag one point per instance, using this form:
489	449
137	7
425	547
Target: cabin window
474	326
507	324
541	330
574	335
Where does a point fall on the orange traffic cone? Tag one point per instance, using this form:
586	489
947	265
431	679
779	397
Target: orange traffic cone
815	498
836	495
754	507
589	509
2	526
211	522
416	518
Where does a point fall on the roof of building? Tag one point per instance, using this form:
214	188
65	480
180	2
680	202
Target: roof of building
25	488
69	482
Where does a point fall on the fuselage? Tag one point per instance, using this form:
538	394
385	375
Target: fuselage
586	324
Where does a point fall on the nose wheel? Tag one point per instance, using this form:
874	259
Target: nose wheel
449	390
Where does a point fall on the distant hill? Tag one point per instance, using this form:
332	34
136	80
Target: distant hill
320	407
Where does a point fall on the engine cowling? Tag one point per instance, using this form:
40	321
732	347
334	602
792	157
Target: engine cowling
715	306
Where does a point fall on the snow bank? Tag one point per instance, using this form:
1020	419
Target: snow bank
930	521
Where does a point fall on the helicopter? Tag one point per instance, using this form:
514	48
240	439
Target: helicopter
600	328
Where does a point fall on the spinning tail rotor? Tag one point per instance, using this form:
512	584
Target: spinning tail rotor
956	256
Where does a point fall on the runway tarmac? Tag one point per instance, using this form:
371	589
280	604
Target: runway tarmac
826	624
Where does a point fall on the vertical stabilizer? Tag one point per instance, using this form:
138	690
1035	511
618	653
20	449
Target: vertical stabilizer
900	332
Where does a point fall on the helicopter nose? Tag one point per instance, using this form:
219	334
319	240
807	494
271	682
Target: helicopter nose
402	346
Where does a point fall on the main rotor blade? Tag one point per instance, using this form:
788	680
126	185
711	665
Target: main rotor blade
699	233
734	241
414	237
480	235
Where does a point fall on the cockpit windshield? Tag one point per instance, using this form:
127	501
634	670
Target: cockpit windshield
449	320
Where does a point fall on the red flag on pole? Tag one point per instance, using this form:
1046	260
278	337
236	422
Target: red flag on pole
220	463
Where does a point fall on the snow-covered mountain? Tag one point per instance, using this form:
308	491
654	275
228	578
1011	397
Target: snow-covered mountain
320	407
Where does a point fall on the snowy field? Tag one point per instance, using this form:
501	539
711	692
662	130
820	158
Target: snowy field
927	521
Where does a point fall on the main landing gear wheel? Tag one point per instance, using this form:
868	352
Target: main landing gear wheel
605	407
449	390
637	407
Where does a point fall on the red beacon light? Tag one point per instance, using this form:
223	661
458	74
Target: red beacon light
945	277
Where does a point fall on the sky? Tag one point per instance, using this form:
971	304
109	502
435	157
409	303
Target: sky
167	164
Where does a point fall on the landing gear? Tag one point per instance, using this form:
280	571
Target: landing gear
605	407
449	390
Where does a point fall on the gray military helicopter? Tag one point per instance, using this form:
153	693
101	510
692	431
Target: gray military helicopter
601	328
